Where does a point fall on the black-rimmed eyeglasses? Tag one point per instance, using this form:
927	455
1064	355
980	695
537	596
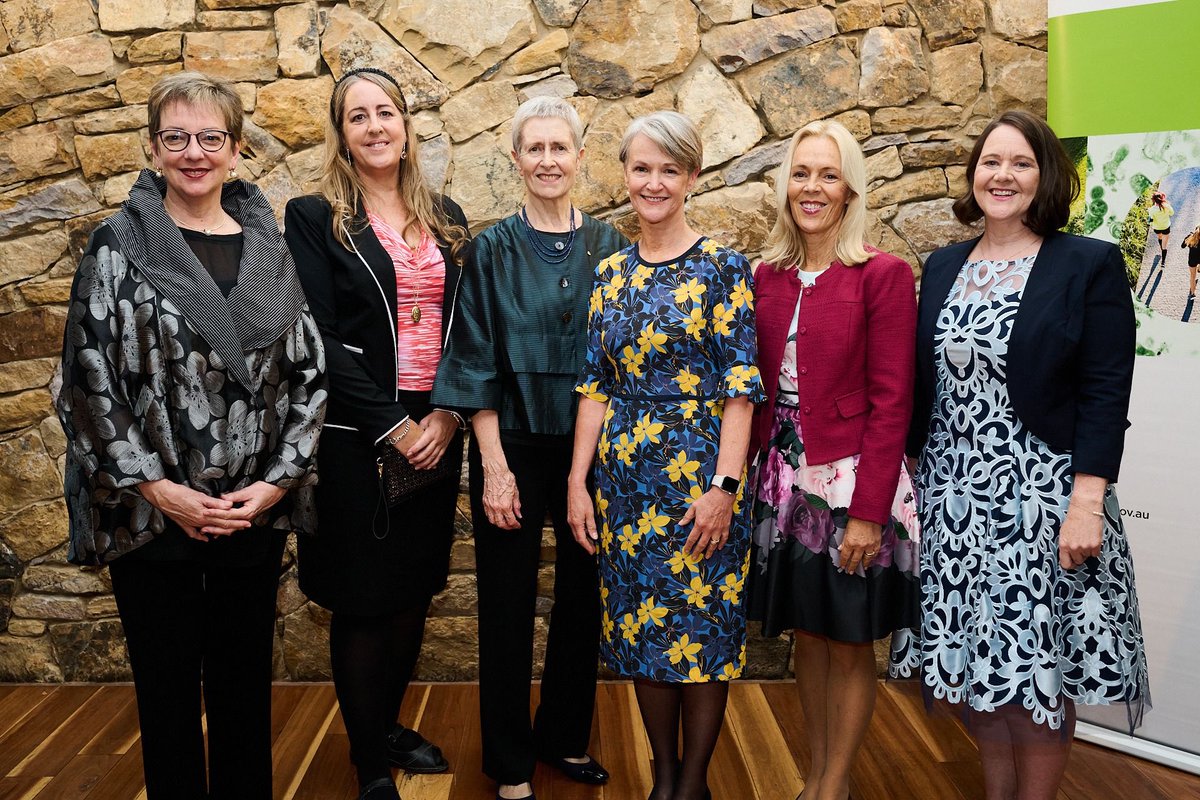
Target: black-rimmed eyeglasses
209	139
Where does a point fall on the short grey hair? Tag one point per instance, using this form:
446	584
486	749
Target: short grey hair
673	133
548	108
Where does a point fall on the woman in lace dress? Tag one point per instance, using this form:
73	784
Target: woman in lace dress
1025	347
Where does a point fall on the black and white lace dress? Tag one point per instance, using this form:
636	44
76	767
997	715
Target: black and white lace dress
1002	621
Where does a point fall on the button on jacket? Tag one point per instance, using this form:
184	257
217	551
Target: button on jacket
521	335
854	364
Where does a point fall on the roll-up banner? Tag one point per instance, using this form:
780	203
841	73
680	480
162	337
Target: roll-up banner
1124	94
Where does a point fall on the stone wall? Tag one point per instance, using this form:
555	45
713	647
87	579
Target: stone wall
914	80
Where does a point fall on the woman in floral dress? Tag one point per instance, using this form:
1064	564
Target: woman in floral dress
1025	349
835	528
668	387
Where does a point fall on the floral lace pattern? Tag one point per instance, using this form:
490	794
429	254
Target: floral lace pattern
1002	621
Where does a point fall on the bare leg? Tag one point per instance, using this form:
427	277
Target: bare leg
996	755
851	701
659	704
1192	281
1041	753
812	679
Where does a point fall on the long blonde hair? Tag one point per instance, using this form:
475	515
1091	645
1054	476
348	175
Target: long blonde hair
343	189
784	247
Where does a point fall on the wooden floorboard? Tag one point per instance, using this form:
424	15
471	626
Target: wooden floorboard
51	756
76	742
26	736
78	777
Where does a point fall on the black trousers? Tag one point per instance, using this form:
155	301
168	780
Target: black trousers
506	569
194	626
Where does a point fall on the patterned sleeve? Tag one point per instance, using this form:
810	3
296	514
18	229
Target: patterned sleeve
293	463
731	321
595	379
106	439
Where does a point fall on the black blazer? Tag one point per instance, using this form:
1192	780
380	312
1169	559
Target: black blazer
1070	351
352	295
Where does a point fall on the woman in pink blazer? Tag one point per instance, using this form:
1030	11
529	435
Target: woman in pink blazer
835	529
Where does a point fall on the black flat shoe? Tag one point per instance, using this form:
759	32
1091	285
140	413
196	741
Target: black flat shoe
382	789
412	752
588	771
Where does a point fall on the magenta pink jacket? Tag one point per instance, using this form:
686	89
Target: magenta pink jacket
854	362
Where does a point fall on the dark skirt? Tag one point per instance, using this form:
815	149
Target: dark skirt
367	558
800	515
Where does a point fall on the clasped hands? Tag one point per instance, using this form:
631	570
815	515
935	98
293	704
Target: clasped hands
435	431
202	516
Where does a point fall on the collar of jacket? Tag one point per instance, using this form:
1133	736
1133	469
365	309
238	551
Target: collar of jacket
268	297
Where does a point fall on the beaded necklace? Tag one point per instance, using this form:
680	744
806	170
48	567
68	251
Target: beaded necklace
551	254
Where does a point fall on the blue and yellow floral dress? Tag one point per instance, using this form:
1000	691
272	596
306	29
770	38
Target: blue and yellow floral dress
667	343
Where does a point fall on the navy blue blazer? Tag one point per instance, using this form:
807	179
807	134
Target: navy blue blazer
1070	351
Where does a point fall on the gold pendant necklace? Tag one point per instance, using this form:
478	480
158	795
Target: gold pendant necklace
416	270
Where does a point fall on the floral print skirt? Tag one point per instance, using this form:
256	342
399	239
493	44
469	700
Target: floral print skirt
800	516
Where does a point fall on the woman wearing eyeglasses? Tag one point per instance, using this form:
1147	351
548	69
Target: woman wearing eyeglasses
193	392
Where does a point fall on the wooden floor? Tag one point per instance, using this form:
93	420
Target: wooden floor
81	741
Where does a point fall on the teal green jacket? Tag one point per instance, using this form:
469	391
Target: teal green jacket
519	333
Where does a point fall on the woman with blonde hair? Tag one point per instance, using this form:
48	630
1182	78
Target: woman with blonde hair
667	392
835	528
380	257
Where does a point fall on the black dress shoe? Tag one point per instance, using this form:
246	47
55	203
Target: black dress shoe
382	789
588	771
411	752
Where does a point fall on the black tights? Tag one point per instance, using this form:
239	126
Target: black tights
373	659
701	708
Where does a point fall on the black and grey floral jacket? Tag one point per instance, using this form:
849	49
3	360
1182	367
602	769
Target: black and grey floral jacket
163	377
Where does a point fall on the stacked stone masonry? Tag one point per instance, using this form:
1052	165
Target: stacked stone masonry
914	80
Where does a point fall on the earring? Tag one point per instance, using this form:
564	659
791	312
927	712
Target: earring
158	172
403	152
349	159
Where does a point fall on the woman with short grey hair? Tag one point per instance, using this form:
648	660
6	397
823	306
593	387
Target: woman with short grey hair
668	389
511	363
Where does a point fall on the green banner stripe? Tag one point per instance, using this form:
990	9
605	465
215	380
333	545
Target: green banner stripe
1125	70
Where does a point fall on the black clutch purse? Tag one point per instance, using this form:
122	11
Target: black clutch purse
399	480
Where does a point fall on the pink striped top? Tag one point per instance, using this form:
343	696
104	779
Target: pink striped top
420	280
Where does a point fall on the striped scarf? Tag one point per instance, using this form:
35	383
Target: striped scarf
268	297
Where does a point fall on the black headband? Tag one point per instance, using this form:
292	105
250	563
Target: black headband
359	71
